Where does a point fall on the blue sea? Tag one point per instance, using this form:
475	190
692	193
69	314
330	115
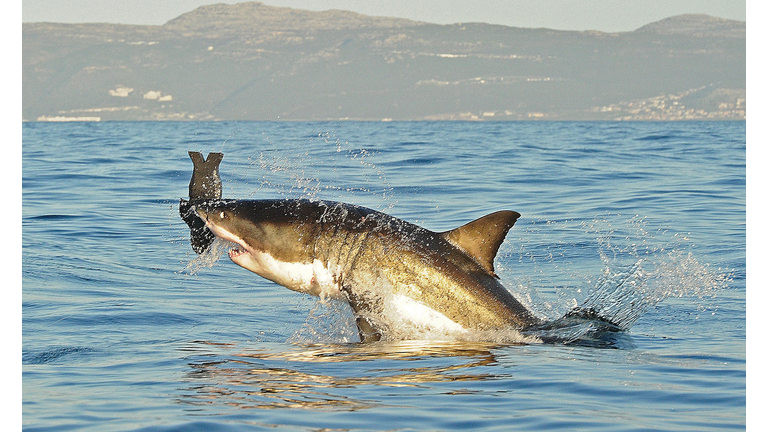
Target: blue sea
125	328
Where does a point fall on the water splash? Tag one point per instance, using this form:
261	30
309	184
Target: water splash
329	321
637	268
624	294
299	174
662	265
618	296
210	256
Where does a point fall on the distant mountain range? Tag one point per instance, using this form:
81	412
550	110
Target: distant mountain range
250	61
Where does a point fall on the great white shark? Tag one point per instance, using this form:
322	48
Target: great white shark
388	270
381	265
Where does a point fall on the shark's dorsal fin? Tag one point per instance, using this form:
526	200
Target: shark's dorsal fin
481	238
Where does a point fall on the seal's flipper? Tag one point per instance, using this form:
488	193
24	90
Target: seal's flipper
205	185
200	237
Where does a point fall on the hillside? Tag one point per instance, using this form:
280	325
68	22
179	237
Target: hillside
250	61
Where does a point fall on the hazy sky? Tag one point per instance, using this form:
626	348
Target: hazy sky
603	15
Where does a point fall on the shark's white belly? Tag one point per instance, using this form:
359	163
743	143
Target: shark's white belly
311	278
403	315
418	316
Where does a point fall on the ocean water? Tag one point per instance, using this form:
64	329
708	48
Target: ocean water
125	328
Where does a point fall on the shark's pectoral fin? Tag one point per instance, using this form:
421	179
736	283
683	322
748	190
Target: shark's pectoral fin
482	237
366	329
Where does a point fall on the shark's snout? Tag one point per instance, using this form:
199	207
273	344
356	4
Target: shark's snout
209	213
202	212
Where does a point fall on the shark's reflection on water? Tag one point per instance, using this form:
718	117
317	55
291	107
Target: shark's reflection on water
228	375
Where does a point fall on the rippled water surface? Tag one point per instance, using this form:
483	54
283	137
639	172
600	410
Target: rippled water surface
125	328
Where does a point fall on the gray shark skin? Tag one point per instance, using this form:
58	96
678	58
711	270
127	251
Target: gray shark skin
204	185
384	267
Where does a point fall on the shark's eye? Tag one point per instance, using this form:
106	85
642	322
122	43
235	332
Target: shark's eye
222	215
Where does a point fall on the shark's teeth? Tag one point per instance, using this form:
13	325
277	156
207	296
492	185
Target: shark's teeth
236	251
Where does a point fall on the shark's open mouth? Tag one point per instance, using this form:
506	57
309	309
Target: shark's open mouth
236	251
238	247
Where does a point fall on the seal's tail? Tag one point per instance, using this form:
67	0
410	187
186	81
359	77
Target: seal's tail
204	185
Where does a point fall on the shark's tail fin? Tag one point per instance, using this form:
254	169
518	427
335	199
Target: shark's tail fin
582	313
613	306
582	326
